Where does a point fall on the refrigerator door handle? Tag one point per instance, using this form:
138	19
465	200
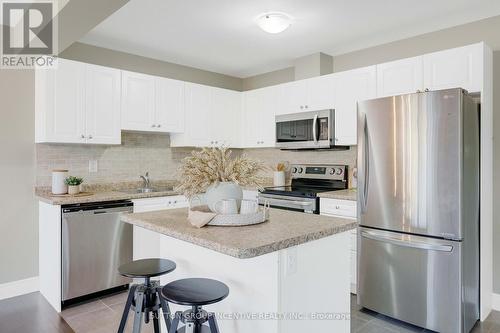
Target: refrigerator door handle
373	235
366	166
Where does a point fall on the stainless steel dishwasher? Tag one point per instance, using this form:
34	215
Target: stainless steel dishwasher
94	244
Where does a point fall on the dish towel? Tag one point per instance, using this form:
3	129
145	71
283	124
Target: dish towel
200	216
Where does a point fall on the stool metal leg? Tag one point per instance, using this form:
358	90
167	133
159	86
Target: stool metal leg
175	322
156	322
138	312
166	310
212	322
130	297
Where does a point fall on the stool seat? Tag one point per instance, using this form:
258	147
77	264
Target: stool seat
195	291
147	268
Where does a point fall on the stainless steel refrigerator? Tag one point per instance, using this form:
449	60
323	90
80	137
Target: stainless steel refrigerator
418	208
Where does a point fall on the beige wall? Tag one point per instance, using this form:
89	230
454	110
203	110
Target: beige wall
106	57
18	208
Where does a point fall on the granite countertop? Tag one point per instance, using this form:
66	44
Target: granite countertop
351	194
283	229
111	192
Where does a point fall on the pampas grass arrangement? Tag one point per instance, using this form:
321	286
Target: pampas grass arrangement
213	165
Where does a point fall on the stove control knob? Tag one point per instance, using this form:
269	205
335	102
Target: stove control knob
332	171
339	171
294	170
300	170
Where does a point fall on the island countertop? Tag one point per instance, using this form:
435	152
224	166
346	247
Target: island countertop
283	229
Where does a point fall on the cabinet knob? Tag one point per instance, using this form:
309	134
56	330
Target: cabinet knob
159	125
90	137
336	139
306	106
153	125
337	207
301	107
83	136
426	89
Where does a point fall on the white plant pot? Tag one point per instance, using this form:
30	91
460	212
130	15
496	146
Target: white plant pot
221	191
73	189
279	178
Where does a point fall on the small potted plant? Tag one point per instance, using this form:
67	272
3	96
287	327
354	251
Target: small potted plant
73	184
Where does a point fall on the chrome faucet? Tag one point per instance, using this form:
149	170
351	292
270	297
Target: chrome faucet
146	180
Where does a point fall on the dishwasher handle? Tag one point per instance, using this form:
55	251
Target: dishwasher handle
111	207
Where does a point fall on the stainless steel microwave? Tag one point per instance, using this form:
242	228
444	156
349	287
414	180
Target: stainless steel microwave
306	130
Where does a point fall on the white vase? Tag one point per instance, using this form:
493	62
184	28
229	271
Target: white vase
58	184
279	178
221	191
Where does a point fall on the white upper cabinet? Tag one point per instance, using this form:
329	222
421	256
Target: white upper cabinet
308	95
400	77
212	118
226	117
102	105
77	103
169	105
350	87
460	67
258	117
138	102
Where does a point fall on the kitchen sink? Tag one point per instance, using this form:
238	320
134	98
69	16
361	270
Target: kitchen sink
147	190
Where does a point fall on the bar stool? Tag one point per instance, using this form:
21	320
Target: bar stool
194	292
144	298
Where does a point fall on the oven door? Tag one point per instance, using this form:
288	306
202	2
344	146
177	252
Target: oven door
298	204
305	130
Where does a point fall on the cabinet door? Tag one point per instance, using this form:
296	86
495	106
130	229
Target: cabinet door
102	107
294	98
400	77
321	93
169	105
351	87
137	102
225	108
252	104
60	103
267	123
198	115
459	67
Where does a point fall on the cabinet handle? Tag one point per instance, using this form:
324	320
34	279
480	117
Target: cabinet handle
90	137
337	207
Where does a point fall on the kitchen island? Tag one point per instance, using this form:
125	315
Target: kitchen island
289	274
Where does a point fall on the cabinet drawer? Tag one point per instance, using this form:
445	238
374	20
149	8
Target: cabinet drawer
341	208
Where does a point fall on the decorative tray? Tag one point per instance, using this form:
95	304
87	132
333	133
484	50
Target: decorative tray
238	220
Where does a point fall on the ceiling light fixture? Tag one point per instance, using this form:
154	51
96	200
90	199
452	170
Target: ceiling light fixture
274	22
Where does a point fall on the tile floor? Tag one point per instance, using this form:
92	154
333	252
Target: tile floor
103	316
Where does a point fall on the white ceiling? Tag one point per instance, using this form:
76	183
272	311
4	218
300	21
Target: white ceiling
221	35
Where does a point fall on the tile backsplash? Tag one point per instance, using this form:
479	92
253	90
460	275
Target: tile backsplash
138	153
141	152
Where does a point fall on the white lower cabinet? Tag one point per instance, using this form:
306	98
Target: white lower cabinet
344	209
147	243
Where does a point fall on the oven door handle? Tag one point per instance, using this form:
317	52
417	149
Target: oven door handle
285	201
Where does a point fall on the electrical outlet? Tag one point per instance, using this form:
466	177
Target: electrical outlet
291	260
92	166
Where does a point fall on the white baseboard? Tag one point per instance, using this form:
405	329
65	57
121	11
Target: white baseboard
19	287
495	302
